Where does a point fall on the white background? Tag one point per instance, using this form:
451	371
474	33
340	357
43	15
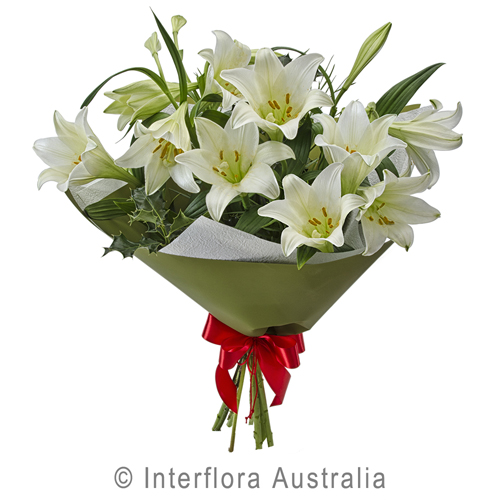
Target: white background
102	363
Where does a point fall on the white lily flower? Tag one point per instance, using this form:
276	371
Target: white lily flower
228	54
277	96
428	131
156	150
390	208
76	155
313	213
355	142
234	162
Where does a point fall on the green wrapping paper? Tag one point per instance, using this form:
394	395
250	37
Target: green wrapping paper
250	297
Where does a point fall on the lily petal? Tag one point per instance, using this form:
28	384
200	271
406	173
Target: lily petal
219	198
260	179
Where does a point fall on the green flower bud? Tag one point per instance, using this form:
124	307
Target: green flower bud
371	111
153	44
177	23
367	52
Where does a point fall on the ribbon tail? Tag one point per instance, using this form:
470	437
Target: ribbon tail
276	374
226	388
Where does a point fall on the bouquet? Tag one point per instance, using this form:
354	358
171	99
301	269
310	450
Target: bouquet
251	189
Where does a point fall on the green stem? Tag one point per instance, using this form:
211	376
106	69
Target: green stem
265	422
224	410
166	90
245	200
235	418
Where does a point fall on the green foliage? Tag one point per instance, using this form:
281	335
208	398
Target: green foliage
180	222
301	146
396	98
197	207
151	74
304	253
109	209
177	58
251	222
122	245
216	116
386	164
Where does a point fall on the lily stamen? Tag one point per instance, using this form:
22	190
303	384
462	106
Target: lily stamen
271	104
324	212
287	99
289	109
164	151
276	104
221	154
236	155
317	221
157	148
312	223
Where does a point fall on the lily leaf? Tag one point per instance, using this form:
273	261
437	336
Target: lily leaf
156	78
386	164
109	208
216	116
176	57
301	146
396	98
251	222
304	253
197	207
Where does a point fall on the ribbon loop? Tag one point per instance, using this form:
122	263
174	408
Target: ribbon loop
273	353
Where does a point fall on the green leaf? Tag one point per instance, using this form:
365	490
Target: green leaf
197	206
180	221
151	244
251	222
304	253
176	57
122	245
128	206
153	202
301	146
156	78
386	164
310	175
144	216
216	116
396	98
157	116
108	209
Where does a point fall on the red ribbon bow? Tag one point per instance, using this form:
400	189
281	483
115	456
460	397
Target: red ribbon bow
274	354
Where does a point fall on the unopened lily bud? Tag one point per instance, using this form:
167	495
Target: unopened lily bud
371	111
177	23
153	44
367	52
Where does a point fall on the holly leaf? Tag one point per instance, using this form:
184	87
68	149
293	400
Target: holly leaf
144	216
153	202
122	245
151	244
180	221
